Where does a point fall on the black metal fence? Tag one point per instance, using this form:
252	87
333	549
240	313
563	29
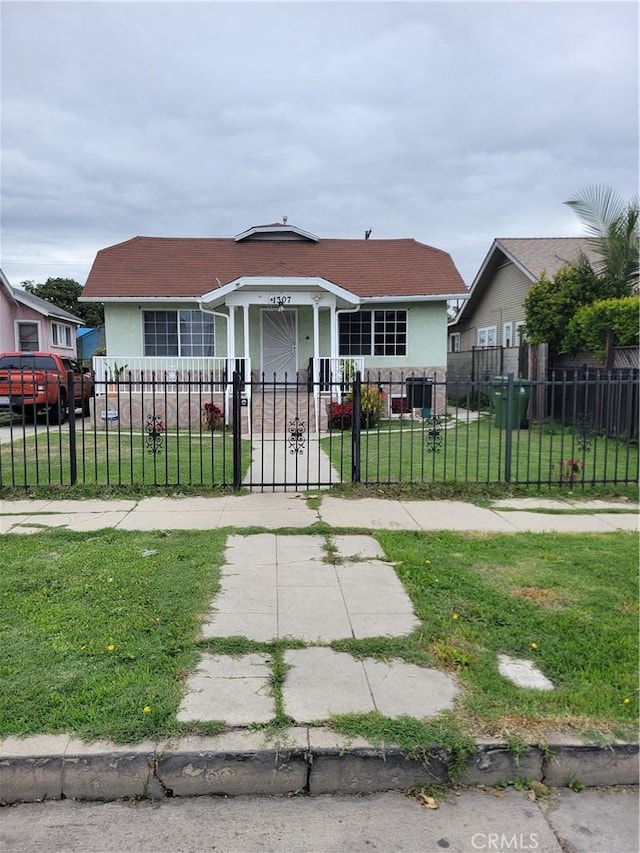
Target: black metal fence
294	434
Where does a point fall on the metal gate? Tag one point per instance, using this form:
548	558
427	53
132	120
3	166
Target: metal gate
284	421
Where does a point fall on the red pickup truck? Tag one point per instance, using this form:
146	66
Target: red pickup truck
33	382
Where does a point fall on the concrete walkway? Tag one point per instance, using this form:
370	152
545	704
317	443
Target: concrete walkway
277	510
281	462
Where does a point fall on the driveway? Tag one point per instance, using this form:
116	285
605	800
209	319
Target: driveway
18	431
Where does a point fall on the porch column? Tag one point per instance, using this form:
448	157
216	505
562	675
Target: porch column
245	329
334	333
232	332
316	335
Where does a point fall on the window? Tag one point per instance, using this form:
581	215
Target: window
507	335
487	336
178	333
61	335
454	342
28	337
520	333
373	333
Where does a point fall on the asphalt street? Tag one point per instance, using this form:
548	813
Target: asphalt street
468	821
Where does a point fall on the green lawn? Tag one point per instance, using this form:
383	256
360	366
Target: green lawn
409	451
121	458
93	632
567	602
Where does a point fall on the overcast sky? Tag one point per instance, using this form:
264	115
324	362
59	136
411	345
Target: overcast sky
452	123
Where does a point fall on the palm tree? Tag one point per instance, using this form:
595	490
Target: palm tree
612	226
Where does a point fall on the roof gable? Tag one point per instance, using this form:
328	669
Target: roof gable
275	231
531	255
48	309
30	300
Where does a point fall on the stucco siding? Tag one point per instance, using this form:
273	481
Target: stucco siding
7	342
426	336
426	333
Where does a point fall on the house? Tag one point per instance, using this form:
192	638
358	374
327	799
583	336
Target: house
30	324
487	332
90	340
277	300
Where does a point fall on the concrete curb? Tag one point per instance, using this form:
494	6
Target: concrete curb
315	761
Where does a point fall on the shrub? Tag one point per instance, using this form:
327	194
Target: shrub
371	408
340	415
212	416
371	405
589	327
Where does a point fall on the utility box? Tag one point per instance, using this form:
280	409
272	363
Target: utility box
420	394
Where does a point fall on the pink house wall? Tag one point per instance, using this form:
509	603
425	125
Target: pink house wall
6	321
9	313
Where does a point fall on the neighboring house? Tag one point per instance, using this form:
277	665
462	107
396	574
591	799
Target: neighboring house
89	340
30	324
493	316
276	299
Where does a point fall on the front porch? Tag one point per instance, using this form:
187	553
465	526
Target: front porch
176	390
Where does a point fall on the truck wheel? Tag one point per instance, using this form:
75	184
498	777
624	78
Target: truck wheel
86	407
57	411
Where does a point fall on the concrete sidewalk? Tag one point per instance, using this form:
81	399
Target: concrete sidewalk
278	510
309	589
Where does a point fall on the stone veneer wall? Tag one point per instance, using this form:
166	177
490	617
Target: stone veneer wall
176	410
393	381
184	411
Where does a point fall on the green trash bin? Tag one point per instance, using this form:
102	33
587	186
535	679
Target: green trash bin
519	401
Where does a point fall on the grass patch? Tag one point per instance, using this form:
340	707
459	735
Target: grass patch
559	600
120	458
415	738
93	633
475	452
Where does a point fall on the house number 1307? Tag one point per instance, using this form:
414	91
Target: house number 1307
280	300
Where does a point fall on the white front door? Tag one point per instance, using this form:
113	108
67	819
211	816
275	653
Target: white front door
280	345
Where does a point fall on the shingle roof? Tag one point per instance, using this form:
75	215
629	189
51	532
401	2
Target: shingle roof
533	255
547	254
44	307
189	267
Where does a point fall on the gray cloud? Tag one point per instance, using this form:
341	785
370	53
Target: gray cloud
452	123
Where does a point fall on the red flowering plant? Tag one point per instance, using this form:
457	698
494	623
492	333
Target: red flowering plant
340	415
212	416
372	402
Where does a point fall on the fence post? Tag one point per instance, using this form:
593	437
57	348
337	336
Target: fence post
71	415
237	426
355	429
508	439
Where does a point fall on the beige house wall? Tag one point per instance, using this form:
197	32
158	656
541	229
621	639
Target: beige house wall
502	302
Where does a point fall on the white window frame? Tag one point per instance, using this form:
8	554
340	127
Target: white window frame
18	323
487	336
520	333
507	335
454	342
179	335
64	331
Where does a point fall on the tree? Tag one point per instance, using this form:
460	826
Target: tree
550	306
65	292
612	228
